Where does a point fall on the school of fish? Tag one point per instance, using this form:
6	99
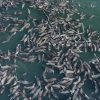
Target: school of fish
56	40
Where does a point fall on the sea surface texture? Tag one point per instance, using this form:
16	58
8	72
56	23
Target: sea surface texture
49	49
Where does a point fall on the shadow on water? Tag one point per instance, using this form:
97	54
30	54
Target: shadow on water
31	69
88	55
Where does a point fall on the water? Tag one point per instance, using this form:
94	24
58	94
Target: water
36	68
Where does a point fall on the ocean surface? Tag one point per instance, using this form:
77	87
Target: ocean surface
36	68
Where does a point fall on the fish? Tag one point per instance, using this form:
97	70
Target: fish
67	78
24	82
30	87
23	5
56	86
96	87
15	83
36	93
10	79
24	37
75	94
2	90
38	81
79	79
3	81
83	27
82	16
9	53
46	91
94	47
30	30
65	92
6	40
91	17
63	4
49	70
31	59
18	48
87	67
92	5
84	95
26	25
34	90
25	99
6	67
51	80
13	30
15	95
7	27
14	89
40	95
32	6
29	12
53	93
95	76
96	58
